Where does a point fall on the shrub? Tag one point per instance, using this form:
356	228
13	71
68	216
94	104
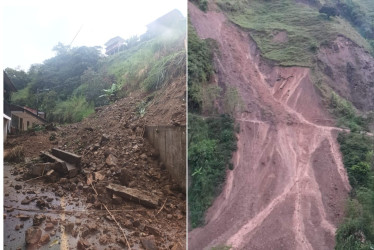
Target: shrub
211	143
357	229
346	114
200	69
202	4
72	110
165	70
359	174
329	11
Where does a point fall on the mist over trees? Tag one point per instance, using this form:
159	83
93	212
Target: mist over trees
68	86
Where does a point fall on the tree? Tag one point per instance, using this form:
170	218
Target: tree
93	84
19	77
329	11
49	101
360	173
61	49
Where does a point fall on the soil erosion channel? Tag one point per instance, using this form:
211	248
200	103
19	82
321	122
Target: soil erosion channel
288	186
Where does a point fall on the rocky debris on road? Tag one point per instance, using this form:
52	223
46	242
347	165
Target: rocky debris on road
39	169
45	239
33	235
149	243
38	219
134	195
65	163
113	154
83	244
111	160
23	217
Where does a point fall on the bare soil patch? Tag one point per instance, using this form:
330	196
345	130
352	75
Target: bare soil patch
274	189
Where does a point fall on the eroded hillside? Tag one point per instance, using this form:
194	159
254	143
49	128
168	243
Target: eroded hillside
289	186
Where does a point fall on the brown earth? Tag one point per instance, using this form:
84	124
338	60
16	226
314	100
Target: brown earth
169	105
113	151
349	70
288	186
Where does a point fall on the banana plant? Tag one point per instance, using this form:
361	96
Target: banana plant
111	93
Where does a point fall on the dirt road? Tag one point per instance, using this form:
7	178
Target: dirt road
288	186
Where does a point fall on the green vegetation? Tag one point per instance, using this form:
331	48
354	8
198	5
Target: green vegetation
166	69
69	85
211	139
150	64
202	4
72	110
299	24
360	13
200	68
346	114
19	77
52	86
357	229
211	143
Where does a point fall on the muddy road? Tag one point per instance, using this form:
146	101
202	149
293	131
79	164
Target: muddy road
288	186
70	213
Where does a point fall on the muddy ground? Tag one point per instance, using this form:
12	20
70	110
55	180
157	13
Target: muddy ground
69	213
288	186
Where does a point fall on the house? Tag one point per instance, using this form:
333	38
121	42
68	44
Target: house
39	113
8	89
163	23
24	118
114	45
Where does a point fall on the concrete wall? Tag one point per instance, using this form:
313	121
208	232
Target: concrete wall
6	126
25	118
170	142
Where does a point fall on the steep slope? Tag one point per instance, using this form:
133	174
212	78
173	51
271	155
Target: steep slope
288	186
349	70
113	151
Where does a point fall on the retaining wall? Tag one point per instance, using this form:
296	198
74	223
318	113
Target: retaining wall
170	142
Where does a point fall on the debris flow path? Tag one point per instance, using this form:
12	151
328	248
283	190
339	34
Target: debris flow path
288	186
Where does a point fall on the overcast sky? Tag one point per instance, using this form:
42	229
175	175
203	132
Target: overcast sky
30	29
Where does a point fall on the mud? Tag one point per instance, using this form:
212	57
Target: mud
113	151
349	70
274	198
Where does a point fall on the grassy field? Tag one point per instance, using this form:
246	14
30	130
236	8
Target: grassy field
305	27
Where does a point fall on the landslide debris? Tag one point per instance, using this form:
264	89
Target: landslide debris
288	185
113	153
